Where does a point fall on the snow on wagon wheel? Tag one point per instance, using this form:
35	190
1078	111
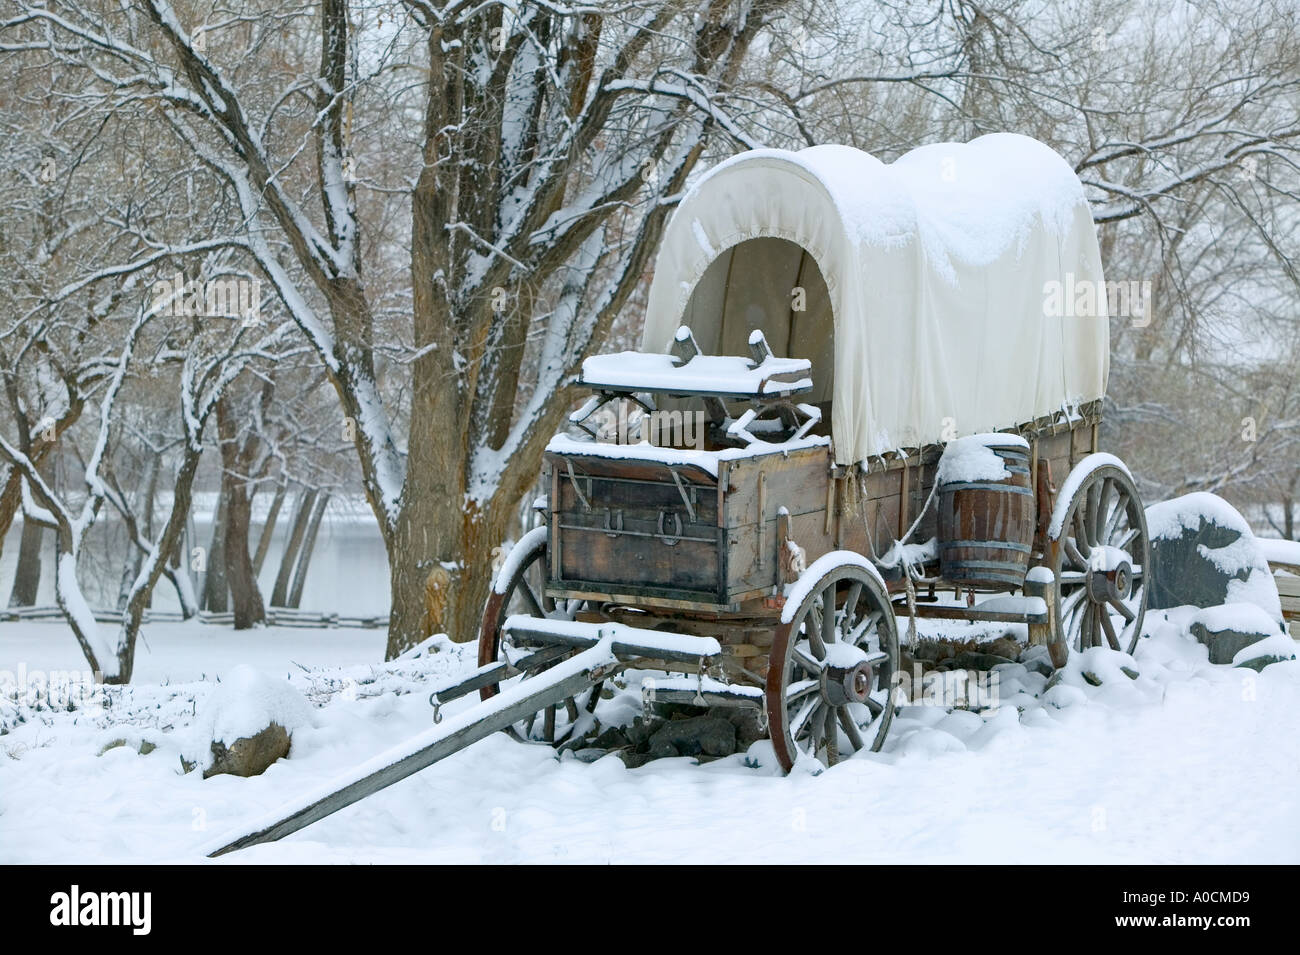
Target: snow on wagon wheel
519	590
1098	549
833	662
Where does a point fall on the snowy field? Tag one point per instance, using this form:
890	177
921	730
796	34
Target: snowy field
1189	763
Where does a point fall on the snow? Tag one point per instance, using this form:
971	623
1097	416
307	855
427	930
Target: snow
1132	771
797	592
733	374
1036	606
76	607
910	555
247	701
1278	645
1242	617
510	566
972	458
652	640
707	461
1168	519
952	196
1074	481
1279	551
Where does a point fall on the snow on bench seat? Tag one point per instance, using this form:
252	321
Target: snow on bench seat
723	375
677	457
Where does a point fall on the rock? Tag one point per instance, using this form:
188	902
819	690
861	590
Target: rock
933	651
1258	663
1090	678
1203	554
590	754
1278	648
612	738
1042	665
974	660
662	748
696	736
247	723
144	749
639	733
1229	629
633	760
249	755
1007	647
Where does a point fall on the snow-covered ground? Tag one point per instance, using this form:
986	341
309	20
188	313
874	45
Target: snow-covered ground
1189	763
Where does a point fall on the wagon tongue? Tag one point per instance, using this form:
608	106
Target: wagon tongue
602	649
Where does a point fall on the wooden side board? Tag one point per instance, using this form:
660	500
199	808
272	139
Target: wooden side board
620	528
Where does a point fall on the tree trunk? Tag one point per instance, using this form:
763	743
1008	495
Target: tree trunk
245	598
268	529
27	572
135	556
280	593
168	545
308	545
215	589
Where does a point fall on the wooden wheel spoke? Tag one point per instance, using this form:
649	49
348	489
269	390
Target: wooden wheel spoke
1073	553
530	598
1128	615
831	732
850	729
797	691
1081	536
1103	615
1129	537
808	662
875	706
813	631
828	616
851	610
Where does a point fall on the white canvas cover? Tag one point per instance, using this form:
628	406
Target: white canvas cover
935	273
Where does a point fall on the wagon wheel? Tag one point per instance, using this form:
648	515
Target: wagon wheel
832	668
1099	552
522	593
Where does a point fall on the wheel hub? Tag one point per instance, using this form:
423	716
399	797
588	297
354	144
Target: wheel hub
1107	586
843	685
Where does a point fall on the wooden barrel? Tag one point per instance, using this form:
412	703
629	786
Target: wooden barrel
986	526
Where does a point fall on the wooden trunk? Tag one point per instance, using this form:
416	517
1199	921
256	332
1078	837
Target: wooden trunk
633	530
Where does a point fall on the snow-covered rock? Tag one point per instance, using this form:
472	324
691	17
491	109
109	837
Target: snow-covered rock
247	723
1203	554
1275	649
1230	629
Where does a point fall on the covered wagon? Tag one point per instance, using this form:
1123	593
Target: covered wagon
897	372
